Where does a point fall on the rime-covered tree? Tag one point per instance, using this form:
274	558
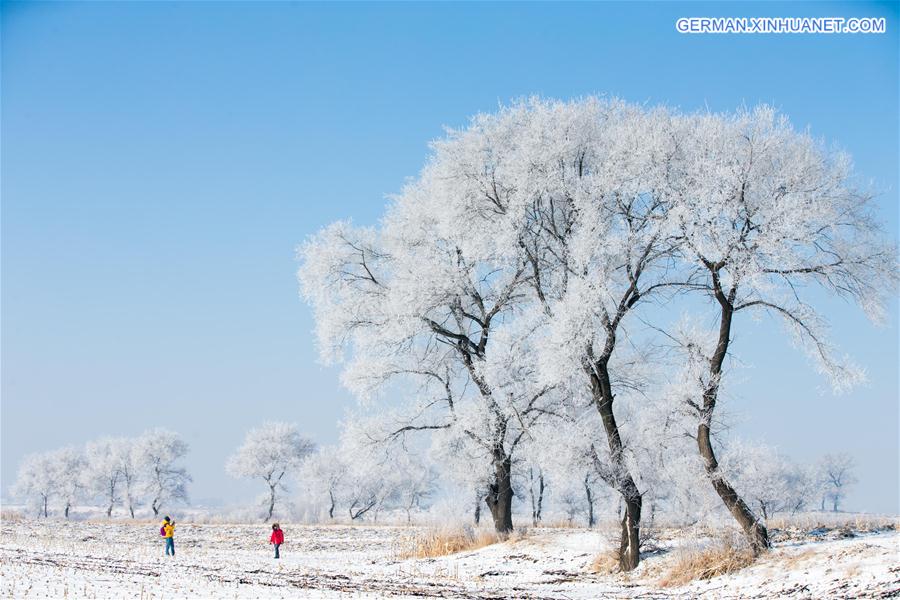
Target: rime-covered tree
575	192
415	307
414	481
835	474
130	472
765	213
769	481
157	453
103	475
36	481
270	452
323	474
68	465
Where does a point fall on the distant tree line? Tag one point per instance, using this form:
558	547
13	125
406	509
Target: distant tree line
111	472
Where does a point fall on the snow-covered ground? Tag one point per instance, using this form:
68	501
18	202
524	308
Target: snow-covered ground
56	559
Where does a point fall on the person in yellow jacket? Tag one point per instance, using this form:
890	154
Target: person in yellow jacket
168	532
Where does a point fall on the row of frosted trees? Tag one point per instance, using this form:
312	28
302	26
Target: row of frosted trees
110	472
362	481
568	278
348	477
359	479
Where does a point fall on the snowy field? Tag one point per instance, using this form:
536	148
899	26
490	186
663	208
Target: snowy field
54	559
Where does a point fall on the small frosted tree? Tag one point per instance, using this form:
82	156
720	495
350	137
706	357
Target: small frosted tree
103	475
769	481
68	465
36	482
414	482
835	474
270	452
157	453
130	472
324	473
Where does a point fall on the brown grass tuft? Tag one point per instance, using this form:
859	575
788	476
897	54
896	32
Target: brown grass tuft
722	557
606	563
444	541
10	516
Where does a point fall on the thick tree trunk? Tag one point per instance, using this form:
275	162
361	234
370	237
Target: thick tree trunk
500	495
756	533
109	510
601	388
271	503
630	541
477	510
155	506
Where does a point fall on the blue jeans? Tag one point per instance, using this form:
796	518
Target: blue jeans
170	546
276	550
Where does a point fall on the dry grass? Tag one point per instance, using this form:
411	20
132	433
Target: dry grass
10	516
606	563
444	541
853	521
791	560
724	556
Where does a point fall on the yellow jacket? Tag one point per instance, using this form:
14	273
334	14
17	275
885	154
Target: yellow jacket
169	528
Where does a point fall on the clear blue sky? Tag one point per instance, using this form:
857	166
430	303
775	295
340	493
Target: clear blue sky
160	162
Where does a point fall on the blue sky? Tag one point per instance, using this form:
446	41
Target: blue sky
160	162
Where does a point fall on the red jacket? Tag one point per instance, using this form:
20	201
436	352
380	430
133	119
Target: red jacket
277	537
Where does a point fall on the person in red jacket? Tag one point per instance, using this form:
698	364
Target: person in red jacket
277	538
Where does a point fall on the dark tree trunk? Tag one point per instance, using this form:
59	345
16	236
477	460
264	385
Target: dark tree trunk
331	507
601	389
500	495
46	514
538	500
155	506
590	502
68	505
756	533
630	542
477	510
360	508
271	503
109	510
540	503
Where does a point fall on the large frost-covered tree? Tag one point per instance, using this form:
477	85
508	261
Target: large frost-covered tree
575	191
765	213
416	307
270	452
502	287
156	453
